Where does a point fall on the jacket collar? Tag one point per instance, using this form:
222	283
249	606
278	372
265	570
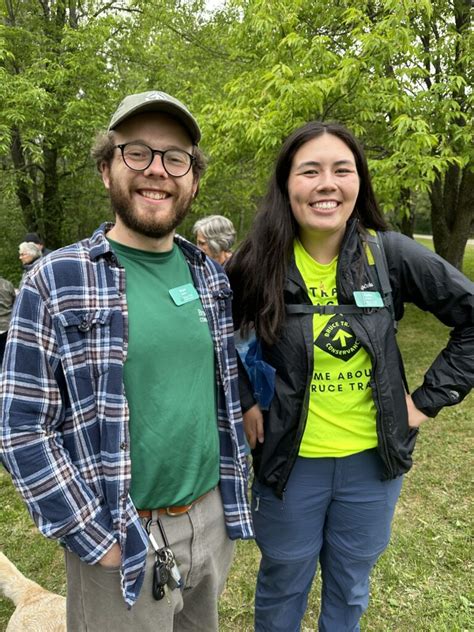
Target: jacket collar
295	283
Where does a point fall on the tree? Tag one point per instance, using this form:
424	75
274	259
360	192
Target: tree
394	71
397	72
65	65
54	66
448	61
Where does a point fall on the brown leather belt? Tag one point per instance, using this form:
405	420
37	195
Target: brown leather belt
177	510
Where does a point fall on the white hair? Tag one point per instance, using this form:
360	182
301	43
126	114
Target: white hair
29	248
218	231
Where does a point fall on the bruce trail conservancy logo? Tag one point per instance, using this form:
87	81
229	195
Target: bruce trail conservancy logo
337	339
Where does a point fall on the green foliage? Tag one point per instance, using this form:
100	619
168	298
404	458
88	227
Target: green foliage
53	99
398	73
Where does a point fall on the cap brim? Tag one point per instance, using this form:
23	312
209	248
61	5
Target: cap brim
167	108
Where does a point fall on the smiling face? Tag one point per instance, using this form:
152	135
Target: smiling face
149	204
323	186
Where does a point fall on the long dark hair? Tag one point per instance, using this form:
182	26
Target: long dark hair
259	266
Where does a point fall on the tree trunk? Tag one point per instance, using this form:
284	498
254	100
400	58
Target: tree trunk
52	208
452	213
21	181
407	222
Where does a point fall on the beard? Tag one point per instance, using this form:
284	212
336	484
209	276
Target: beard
152	225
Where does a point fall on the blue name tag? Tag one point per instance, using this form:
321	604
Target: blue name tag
368	299
184	294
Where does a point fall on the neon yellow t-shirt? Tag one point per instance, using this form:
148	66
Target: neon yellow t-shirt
341	416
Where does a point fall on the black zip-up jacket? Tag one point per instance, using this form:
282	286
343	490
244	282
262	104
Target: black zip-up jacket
417	276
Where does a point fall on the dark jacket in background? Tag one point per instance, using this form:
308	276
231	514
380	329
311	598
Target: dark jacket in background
7	298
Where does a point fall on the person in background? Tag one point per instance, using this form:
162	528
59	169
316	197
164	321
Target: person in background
215	235
36	239
7	299
330	453
28	253
121	424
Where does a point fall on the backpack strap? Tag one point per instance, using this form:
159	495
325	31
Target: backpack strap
376	246
296	308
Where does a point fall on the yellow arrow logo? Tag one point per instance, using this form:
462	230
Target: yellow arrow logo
342	337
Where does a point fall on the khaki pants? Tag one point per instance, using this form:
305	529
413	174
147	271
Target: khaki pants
204	554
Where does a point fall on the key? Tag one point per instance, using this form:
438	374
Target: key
160	579
166	555
175	580
158	591
162	574
165	564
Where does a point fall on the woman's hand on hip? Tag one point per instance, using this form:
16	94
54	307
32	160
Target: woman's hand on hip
415	416
253	425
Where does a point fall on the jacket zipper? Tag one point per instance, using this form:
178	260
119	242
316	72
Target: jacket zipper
382	439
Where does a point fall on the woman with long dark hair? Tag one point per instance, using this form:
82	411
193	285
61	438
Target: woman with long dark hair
322	281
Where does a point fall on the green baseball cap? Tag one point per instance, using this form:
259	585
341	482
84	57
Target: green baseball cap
156	101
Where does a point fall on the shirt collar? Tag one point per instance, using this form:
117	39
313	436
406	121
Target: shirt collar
99	243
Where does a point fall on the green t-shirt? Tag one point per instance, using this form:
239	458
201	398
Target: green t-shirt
341	416
170	384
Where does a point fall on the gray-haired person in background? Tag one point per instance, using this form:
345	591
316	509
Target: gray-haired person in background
28	253
215	235
36	239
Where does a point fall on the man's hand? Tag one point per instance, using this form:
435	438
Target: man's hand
253	425
415	416
112	558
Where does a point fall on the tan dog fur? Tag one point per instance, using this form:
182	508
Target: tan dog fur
37	609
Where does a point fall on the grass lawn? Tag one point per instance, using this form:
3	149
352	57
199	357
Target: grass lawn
424	582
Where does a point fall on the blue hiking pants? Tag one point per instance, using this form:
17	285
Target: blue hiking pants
337	511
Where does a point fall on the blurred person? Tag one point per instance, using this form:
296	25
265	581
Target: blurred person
121	424
28	253
331	451
215	235
36	239
7	299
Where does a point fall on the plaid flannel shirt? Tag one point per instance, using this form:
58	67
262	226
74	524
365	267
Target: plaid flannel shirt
65	435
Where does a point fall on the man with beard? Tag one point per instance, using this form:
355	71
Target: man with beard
120	415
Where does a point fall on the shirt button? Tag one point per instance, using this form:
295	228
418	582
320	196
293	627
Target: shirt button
123	445
84	325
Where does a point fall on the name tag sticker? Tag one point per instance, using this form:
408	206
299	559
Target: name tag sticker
368	299
183	294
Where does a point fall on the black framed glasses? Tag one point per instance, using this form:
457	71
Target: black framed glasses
138	157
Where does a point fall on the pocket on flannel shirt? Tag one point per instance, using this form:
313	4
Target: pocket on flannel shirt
86	341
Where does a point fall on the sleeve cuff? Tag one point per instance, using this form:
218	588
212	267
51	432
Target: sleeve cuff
420	401
93	542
